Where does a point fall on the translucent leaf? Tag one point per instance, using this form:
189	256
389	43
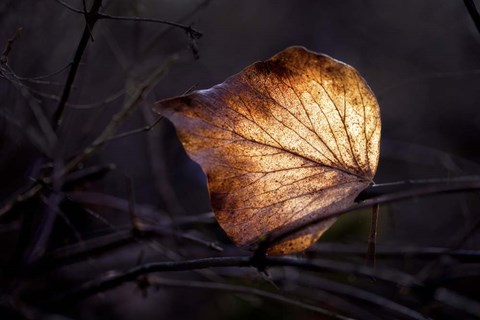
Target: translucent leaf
284	141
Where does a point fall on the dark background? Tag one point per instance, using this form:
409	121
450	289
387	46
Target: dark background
421	59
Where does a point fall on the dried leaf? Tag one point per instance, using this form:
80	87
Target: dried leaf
284	141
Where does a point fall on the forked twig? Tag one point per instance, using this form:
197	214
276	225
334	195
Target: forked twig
91	19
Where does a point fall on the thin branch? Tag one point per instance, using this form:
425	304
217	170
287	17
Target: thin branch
336	249
160	282
460	186
82	45
113	280
379	189
193	33
156	39
425	272
458	301
136	95
39	115
54	73
92	173
105	101
69	7
358	294
31	133
135	131
8	47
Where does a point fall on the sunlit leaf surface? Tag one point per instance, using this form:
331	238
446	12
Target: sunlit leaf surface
286	140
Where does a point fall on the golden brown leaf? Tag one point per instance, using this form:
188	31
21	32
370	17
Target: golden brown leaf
284	141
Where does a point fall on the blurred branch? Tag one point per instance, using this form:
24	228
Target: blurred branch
33	135
473	11
105	101
135	131
335	249
91	19
49	136
112	280
45	76
359	294
105	244
160	282
135	96
458	301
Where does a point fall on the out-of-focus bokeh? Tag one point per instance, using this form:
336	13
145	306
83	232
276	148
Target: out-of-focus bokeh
421	59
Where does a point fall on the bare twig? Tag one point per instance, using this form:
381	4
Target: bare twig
105	101
69	7
35	137
115	279
192	33
358	294
393	252
155	40
82	45
426	271
42	120
379	189
87	174
460	186
135	96
458	301
44	229
54	73
135	131
160	282
8	47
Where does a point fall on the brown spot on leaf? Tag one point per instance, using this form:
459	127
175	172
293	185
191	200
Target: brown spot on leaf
286	140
